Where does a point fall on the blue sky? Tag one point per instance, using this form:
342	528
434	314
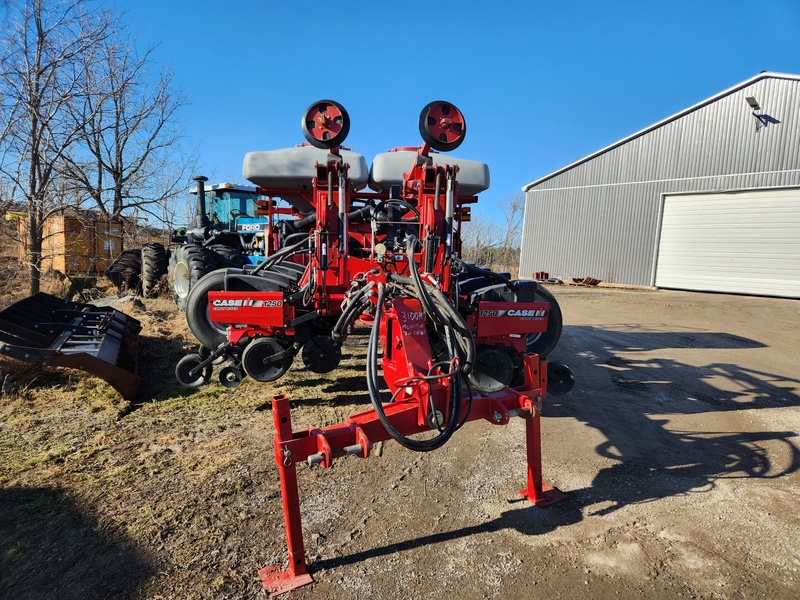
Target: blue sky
540	84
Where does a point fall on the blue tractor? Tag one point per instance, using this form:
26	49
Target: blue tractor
228	231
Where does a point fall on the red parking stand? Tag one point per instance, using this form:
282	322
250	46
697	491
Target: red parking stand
276	580
538	492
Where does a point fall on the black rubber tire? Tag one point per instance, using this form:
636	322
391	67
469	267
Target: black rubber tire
189	363
125	271
228	257
209	334
543	343
192	263
154	266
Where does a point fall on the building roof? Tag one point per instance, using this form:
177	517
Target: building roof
676	116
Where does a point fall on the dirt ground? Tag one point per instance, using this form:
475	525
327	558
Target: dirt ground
678	449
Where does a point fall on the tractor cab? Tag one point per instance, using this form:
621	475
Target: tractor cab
232	207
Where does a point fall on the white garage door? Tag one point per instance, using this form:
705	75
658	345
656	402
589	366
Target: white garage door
743	242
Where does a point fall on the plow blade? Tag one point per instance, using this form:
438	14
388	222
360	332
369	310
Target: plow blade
46	331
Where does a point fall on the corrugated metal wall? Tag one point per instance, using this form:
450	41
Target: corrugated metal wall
599	218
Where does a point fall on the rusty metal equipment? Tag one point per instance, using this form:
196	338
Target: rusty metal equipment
73	243
49	332
452	342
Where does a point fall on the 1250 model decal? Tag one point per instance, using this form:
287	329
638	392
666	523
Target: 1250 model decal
246	303
537	313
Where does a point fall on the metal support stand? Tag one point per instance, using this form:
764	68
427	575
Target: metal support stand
538	492
274	579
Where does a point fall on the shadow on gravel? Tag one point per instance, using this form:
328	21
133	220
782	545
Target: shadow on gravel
621	395
528	520
621	392
51	548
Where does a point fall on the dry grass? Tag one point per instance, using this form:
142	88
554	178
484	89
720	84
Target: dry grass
162	483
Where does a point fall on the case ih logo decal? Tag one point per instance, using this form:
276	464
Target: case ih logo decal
246	303
527	313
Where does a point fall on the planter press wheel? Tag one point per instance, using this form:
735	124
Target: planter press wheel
442	126
326	124
266	359
184	371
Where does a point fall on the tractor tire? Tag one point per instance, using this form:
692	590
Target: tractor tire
154	267
208	333
543	343
228	257
125	271
192	263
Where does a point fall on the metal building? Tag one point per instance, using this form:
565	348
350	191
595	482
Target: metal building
707	199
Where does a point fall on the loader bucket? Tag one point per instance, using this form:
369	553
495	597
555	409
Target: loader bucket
46	331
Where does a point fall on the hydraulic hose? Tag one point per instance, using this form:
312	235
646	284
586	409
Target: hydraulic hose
453	319
280	255
463	333
424	298
354	307
374	391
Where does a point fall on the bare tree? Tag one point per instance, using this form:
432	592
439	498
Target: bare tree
42	53
479	240
496	244
513	208
129	158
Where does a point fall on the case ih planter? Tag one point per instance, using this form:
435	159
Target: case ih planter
453	342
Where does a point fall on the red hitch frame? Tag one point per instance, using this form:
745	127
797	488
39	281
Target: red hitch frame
357	435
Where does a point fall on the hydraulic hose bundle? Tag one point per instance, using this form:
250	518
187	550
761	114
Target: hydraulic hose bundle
374	391
441	316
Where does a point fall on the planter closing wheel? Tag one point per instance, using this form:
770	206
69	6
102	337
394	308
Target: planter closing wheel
442	126
560	378
230	377
326	124
266	359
